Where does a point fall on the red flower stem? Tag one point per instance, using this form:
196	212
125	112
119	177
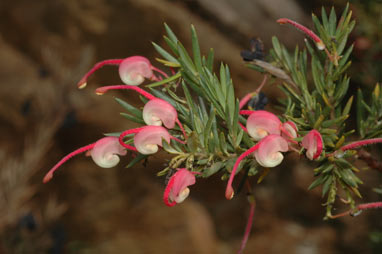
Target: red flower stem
159	71
246	112
248	228
229	190
243	127
246	98
49	175
104	89
360	207
82	83
361	143
127	132
181	127
290	138
178	140
320	45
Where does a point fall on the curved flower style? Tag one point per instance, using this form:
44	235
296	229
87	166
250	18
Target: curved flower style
103	153
313	143
155	112
268	155
289	130
261	123
269	152
158	111
147	138
132	70
177	188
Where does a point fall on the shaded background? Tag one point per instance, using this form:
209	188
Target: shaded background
45	48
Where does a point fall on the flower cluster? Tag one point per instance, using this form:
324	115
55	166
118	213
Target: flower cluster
147	139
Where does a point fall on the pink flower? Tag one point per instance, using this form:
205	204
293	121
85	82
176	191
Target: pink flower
105	150
261	123
289	130
269	152
104	153
312	142
177	188
155	112
147	138
132	70
158	111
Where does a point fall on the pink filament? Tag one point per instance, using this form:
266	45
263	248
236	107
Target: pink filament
181	127
82	82
247	228
49	175
229	190
104	89
246	112
159	71
361	143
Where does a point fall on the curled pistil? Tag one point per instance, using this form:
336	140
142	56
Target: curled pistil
132	70
103	152
147	138
267	153
313	144
177	188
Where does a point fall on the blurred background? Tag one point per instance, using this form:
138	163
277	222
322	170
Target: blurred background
45	48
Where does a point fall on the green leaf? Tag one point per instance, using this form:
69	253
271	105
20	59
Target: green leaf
133	110
137	159
185	60
207	129
133	118
332	22
164	53
196	49
171	34
210	60
213	169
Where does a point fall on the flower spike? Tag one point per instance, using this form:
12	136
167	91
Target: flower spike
103	89
313	143
177	188
269	152
105	150
262	123
103	153
319	43
360	143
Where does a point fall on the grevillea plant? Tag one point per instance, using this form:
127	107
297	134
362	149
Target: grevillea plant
193	115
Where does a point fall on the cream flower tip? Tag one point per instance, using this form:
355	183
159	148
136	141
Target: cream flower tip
105	152
149	138
158	112
313	144
291	128
133	70
177	188
261	123
269	152
82	85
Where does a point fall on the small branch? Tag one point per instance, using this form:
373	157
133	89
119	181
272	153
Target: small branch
371	162
358	210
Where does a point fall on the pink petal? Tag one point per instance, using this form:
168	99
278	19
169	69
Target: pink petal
262	123
149	138
177	188
158	111
291	130
269	152
105	151
133	70
313	143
